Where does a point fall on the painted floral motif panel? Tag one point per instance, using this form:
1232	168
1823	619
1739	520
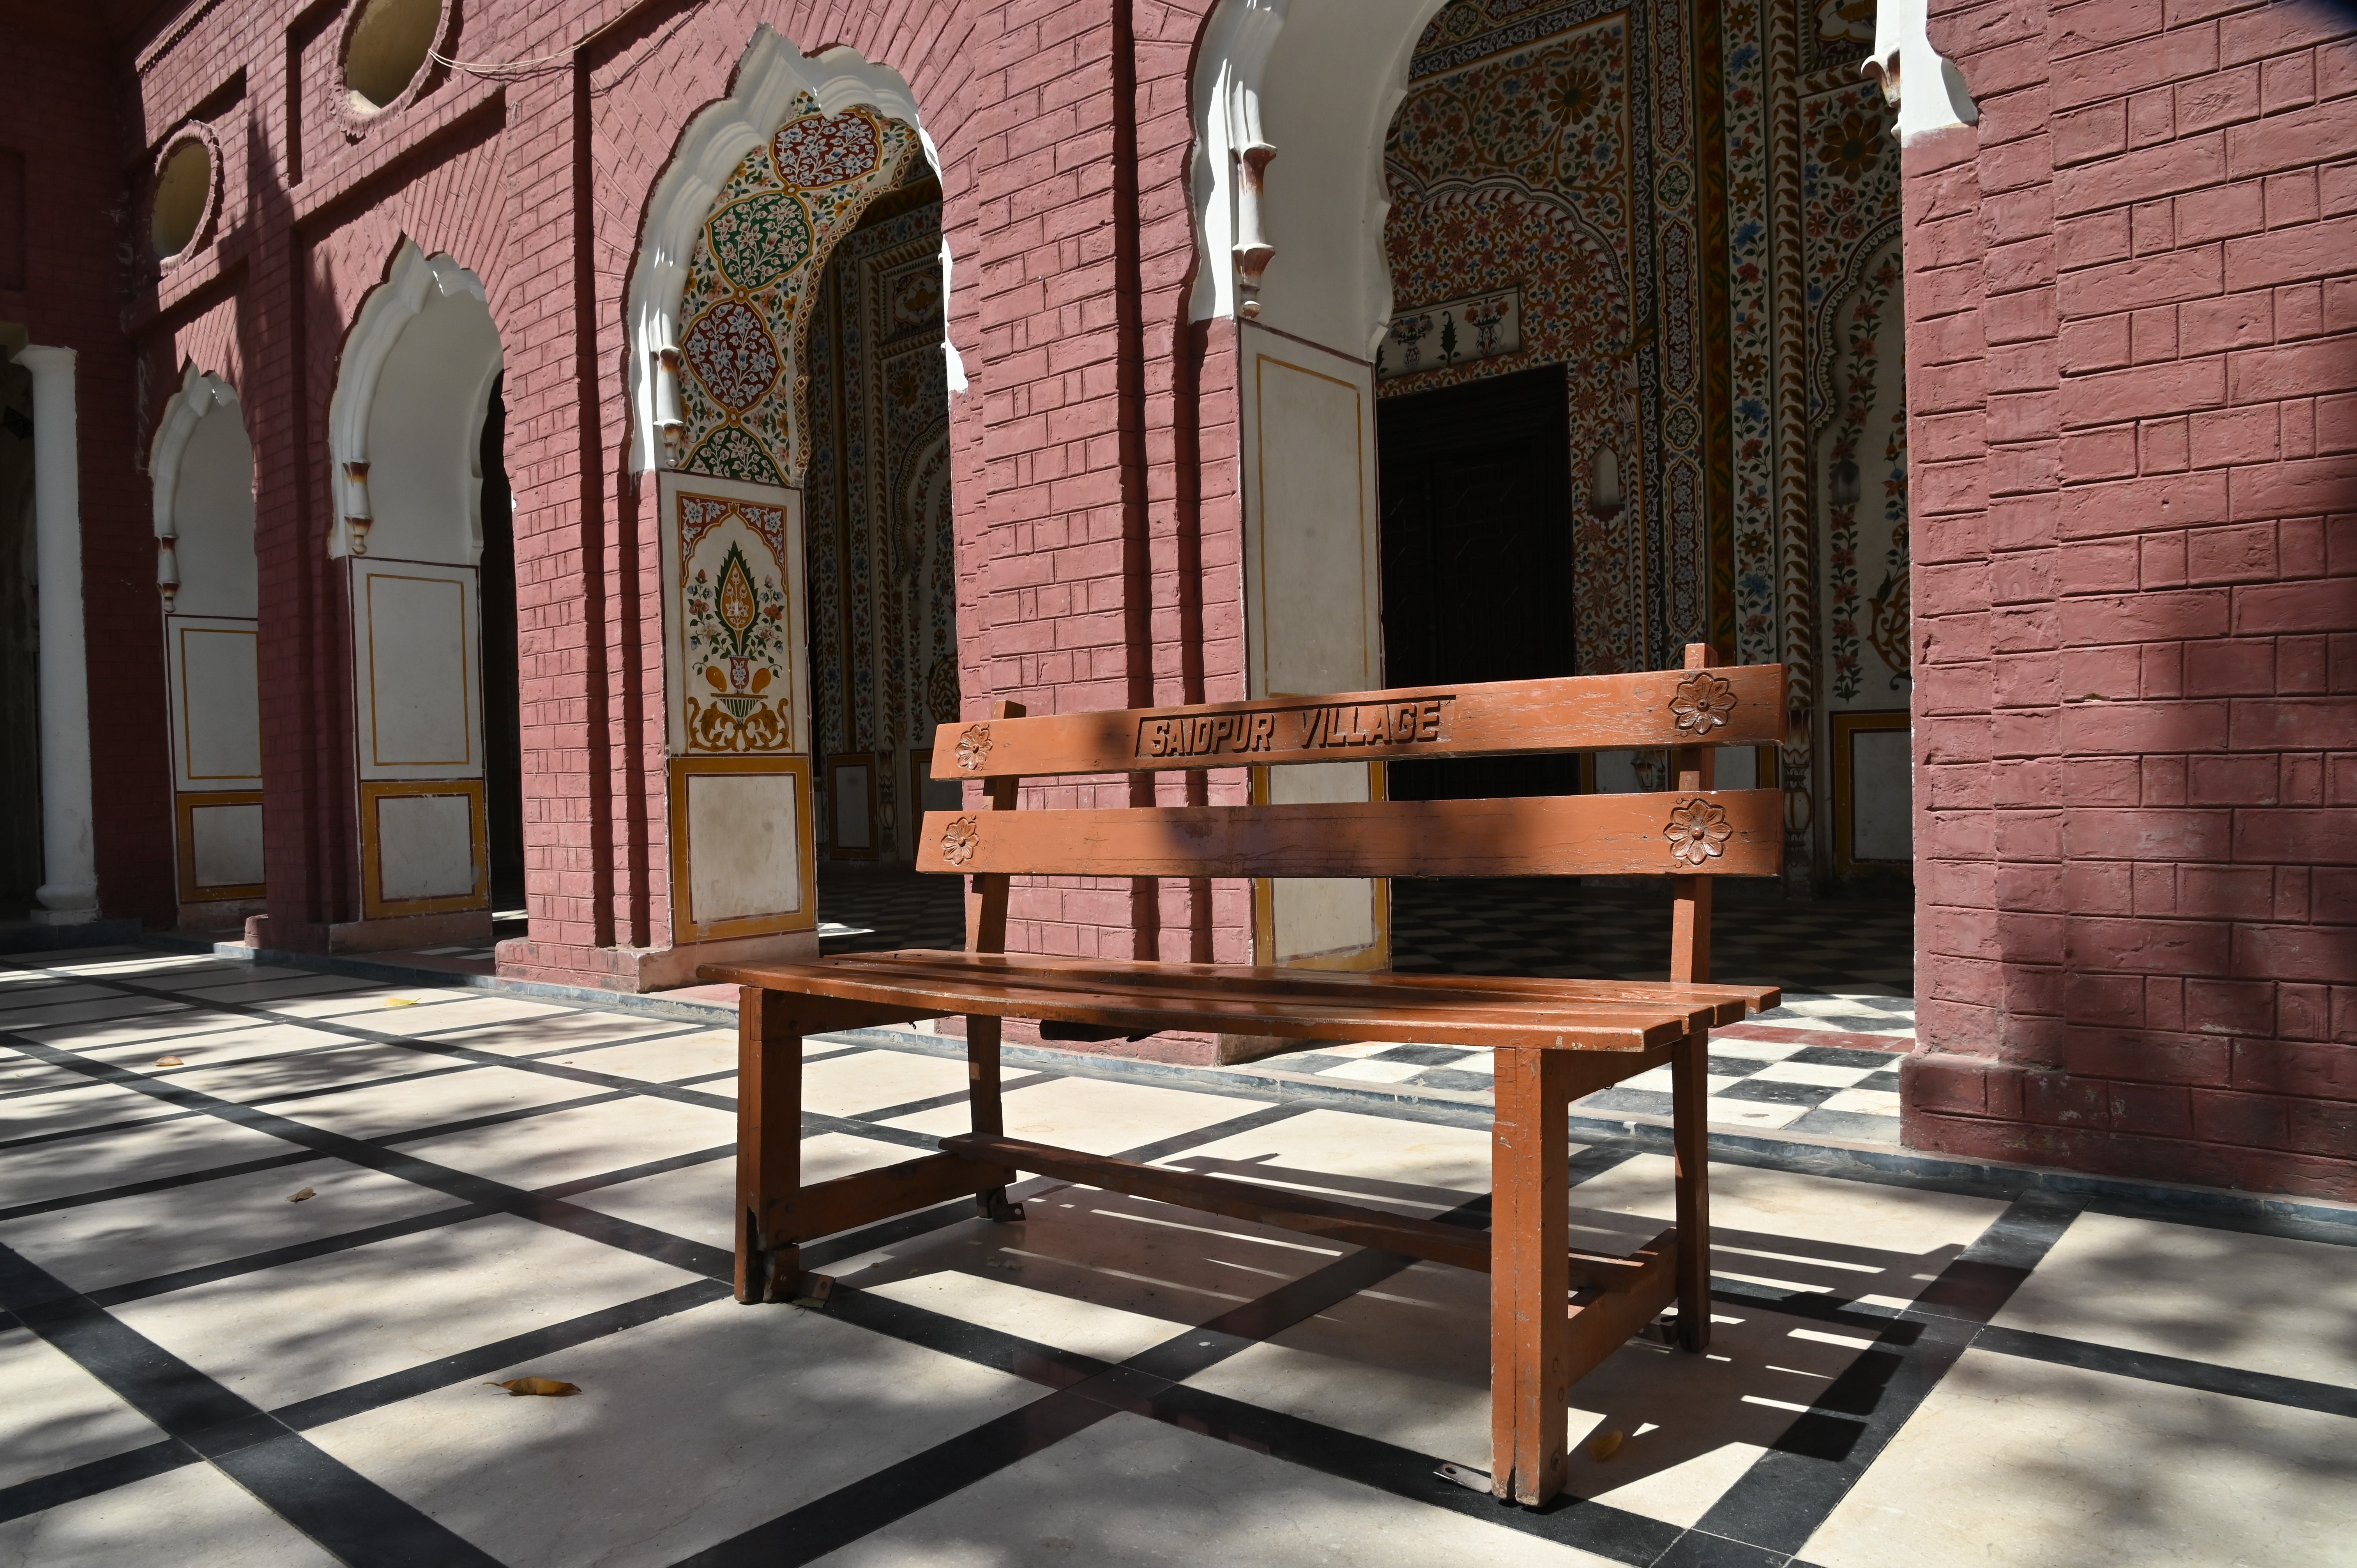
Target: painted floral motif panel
745	316
1750	482
735	629
1856	387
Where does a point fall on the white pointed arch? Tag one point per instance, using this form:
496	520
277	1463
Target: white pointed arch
200	393
770	74
416	375
201	465
1305	89
1937	99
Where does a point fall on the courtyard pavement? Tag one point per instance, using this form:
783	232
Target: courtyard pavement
271	1237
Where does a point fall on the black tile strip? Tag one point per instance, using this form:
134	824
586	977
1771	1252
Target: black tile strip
1250	1122
638	1172
1148	1384
1984	1277
881	1234
1700	1549
292	1054
884	1233
1788	1492
488	1119
320	1091
1593	1527
2291	1226
936	1102
295	1252
2207	1377
387	1140
374	1393
32	1140
427	1045
849	1513
1595	1159
156	1184
1049	1366
88	1480
345	1512
695	1257
1818	1306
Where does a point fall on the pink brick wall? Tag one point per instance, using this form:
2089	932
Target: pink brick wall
60	110
1098	558
2132	296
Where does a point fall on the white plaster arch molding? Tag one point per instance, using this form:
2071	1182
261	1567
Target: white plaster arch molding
405	422
770	74
202	467
1903	56
1303	93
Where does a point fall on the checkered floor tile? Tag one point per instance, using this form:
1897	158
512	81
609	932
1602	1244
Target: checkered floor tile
1784	1082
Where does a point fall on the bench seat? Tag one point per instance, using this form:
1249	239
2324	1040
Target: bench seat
1117	996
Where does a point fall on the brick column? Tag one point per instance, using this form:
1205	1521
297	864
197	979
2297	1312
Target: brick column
2132	384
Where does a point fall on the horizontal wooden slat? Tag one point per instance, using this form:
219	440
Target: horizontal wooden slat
1737	832
1615	1029
862	1198
1738	706
1632	1022
1706	1003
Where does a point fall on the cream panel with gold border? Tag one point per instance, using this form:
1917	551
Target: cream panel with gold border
417	691
1313	622
743	863
216	703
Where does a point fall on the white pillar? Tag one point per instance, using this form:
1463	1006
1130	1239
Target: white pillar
69	891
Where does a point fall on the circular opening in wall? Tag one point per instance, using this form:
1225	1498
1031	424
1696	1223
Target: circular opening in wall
184	187
387	48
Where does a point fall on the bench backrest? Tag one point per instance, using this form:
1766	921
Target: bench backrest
1689	833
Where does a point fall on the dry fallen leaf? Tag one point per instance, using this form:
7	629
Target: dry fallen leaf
548	1386
169	1061
1606	1446
401	1001
299	1197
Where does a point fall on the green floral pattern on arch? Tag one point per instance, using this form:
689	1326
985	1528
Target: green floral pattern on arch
753	275
733	453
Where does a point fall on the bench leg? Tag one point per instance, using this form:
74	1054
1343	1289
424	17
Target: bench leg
1690	1139
982	1040
769	1145
1529	1274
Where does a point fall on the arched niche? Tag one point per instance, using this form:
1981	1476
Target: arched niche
770	76
1293	100
202	468
405	437
762	187
204	471
406	418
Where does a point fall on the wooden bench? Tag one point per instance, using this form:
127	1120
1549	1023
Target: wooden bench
1555	1312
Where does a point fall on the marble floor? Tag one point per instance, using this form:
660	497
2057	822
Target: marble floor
270	1239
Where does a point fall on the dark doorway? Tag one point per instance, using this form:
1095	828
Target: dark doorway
503	690
1477	559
